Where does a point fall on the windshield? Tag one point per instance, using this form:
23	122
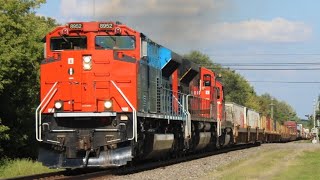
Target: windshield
68	43
115	42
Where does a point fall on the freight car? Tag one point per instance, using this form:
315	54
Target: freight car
306	133
292	129
110	95
250	127
300	132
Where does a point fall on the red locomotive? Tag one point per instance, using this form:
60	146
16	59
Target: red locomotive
110	95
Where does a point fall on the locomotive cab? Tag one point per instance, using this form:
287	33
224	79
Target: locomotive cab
82	57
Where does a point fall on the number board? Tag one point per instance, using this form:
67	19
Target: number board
106	26
75	26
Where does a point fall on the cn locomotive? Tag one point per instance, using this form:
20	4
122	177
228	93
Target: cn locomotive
110	95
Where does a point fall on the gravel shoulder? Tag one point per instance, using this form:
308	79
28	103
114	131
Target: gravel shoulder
210	167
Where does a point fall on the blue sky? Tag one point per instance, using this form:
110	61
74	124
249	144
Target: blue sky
229	31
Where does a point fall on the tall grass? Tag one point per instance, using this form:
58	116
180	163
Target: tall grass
21	167
306	167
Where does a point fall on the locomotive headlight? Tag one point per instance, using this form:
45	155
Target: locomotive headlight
124	117
87	62
86	59
86	66
58	104
108	104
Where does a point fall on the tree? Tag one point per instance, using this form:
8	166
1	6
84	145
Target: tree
4	136
265	101
21	50
284	112
237	89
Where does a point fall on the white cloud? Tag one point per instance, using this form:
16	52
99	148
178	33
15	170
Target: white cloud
168	22
276	30
105	8
186	24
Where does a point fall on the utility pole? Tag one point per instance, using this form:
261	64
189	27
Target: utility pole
274	121
315	129
314	113
317	109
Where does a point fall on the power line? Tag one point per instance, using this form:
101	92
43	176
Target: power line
299	66
279	63
264	64
270	64
277	69
267	54
267	69
288	82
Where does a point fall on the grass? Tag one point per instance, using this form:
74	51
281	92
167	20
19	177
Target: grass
277	164
303	141
253	168
21	167
306	167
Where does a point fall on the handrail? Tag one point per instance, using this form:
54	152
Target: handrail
134	112
188	121
218	120
38	117
219	132
181	105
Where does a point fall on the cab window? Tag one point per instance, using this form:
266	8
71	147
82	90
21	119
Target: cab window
115	42
207	80
68	43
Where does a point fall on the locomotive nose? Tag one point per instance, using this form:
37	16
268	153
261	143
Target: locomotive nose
84	81
71	78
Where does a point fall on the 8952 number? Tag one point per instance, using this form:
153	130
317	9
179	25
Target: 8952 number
106	26
75	26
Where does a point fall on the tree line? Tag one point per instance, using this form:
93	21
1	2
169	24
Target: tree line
238	89
21	51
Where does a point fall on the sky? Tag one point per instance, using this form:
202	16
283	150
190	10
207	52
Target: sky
229	32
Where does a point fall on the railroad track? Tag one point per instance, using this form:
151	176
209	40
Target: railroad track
152	165
69	174
53	175
129	169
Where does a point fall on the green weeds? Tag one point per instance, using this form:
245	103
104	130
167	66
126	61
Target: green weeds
21	167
